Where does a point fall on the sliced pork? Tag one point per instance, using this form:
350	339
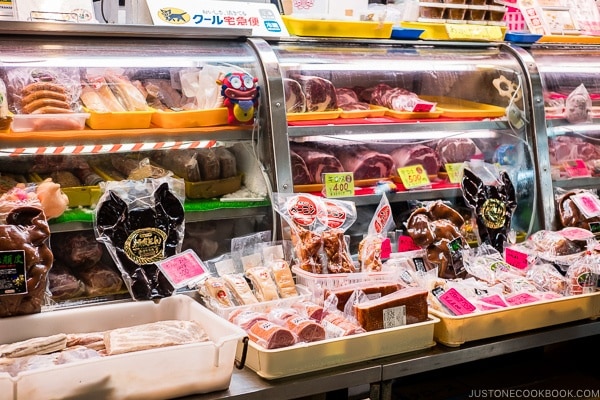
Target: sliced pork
416	154
318	161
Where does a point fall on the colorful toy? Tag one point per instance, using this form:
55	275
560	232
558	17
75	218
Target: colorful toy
240	94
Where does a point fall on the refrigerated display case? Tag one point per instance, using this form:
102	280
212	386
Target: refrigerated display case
570	88
228	198
482	97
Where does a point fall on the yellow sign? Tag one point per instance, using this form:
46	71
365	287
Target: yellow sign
339	184
413	176
474	32
455	172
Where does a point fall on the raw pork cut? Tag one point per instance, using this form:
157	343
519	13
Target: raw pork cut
348	100
364	162
300	172
397	99
563	148
318	162
295	101
416	154
456	150
319	92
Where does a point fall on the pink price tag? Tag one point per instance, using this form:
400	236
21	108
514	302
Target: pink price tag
521	298
576	168
182	268
386	248
405	243
516	258
494	300
456	302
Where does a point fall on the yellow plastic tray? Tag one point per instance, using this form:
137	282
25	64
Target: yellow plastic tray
190	118
373	111
437	31
413	115
308	357
459	108
313	116
79	196
333	28
456	330
576	39
119	120
210	189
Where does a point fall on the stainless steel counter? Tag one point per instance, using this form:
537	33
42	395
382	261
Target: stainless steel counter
379	374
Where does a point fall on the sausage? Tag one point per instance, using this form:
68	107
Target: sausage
42	103
43	94
52	110
37	86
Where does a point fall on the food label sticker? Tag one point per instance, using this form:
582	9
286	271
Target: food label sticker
455	172
588	204
595	228
456	302
413	176
494	300
183	268
521	298
332	331
419	264
394	316
339	184
576	168
474	32
516	258
386	248
13	274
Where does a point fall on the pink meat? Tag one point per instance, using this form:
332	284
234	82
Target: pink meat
364	162
300	172
416	154
295	101
319	92
456	150
318	162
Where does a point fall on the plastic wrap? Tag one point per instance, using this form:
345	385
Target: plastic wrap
369	249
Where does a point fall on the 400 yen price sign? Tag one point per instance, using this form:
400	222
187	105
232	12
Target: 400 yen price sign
339	184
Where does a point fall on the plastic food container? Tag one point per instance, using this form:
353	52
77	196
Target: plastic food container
83	196
190	118
119	120
334	28
210	189
160	373
309	357
456	330
48	122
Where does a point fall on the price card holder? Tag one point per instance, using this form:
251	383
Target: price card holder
338	184
576	168
414	176
474	32
455	172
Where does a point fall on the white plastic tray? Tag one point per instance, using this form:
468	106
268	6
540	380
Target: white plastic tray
150	374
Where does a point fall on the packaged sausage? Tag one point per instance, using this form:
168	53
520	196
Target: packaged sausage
369	249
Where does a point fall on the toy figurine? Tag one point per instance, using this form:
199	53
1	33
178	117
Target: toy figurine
240	94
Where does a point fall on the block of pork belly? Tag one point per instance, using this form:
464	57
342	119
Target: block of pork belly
372	314
306	329
270	335
372	289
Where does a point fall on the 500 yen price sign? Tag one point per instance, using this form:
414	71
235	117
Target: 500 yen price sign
339	184
413	176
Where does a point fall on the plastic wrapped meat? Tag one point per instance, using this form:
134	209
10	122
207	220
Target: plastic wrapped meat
348	100
208	162
295	101
318	161
100	279
227	162
77	248
183	163
63	284
456	150
300	172
364	162
319	92
416	154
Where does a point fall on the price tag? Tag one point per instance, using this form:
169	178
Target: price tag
516	258
456	302
576	168
183	268
455	172
474	32
413	176
339	184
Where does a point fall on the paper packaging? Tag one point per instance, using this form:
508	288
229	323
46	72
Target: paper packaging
150	374
306	8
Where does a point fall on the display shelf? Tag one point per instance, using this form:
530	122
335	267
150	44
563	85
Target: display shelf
590	182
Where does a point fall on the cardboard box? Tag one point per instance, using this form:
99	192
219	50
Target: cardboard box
150	374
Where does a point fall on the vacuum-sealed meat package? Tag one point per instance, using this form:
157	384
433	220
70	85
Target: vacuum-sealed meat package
141	223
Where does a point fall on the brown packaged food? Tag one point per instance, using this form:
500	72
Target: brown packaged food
77	248
208	162
100	279
63	284
227	162
371	289
386	311
26	234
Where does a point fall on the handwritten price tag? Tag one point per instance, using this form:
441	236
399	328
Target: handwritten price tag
474	32
413	176
183	268
455	172
339	184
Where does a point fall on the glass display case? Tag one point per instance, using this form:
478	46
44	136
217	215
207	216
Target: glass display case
377	108
75	116
570	87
